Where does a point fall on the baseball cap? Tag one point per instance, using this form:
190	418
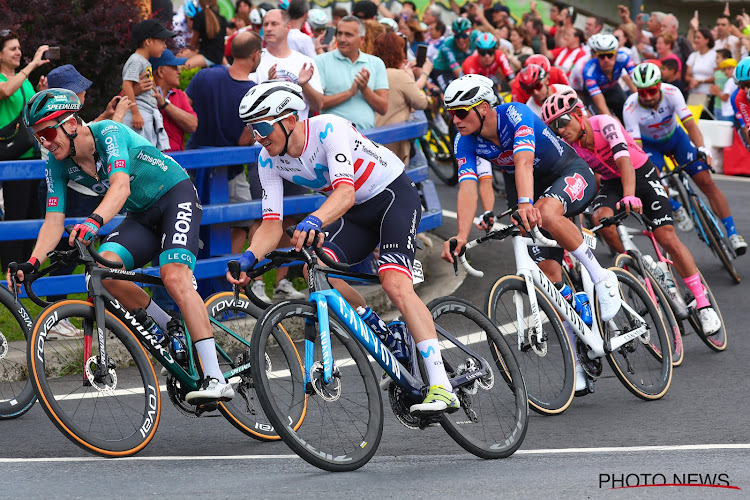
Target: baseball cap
728	63
150	28
67	77
365	9
498	7
167	59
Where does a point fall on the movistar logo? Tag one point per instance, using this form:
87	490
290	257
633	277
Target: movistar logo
324	133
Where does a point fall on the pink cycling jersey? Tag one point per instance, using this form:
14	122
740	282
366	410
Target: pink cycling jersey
610	143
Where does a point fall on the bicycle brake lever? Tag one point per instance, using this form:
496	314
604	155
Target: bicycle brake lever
13	268
453	244
235	271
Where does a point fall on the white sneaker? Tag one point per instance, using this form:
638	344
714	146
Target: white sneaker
211	391
682	220
286	290
580	379
64	329
738	244
608	292
259	289
710	321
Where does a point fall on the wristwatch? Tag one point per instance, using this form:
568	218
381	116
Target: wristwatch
167	102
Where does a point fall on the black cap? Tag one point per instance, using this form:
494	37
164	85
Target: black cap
498	7
365	9
150	28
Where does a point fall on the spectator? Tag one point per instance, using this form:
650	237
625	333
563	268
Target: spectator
144	118
626	44
215	94
681	47
521	49
209	29
571	52
432	16
318	21
404	93
355	84
161	10
364	9
176	111
720	79
725	111
373	30
664	45
337	15
15	90
242	11
279	62
701	64
297	40
500	16
670	73
436	39
535	29
594	25
408	11
414	35
724	39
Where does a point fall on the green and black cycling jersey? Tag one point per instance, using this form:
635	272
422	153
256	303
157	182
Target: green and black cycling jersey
117	149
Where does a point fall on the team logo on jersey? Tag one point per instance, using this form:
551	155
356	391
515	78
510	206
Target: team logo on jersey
610	131
590	83
119	164
265	162
324	133
505	158
524	131
460	161
52	202
575	186
513	115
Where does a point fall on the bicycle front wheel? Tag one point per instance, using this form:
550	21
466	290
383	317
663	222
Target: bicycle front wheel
494	412
343	418
628	263
547	365
232	323
644	364
715	238
16	390
113	416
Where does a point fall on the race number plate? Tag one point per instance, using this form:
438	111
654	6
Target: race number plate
417	272
589	238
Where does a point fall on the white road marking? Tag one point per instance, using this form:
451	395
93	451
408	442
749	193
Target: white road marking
448	213
559	451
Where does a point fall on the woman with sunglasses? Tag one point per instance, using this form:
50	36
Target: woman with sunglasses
163	215
488	60
551	182
629	181
649	116
603	72
370	201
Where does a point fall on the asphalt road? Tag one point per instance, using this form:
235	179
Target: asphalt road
697	433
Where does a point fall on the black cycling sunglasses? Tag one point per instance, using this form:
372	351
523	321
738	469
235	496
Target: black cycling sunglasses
462	35
486	52
560	122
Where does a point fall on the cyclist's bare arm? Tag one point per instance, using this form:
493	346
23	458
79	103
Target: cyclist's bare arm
335	206
49	237
466	207
487	194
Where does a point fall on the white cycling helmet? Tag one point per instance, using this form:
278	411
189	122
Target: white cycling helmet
317	18
603	43
256	16
469	90
389	22
270	99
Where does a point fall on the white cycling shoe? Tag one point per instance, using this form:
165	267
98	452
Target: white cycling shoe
682	220
608	292
738	244
211	391
710	322
580	379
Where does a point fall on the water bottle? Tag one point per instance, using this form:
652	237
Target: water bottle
177	334
579	301
383	332
656	270
149	324
399	334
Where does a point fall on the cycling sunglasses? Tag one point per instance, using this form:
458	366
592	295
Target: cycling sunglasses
536	86
49	134
463	112
650	92
263	129
608	55
560	122
486	52
463	35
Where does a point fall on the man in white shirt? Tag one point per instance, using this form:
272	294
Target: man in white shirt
279	61
724	40
298	40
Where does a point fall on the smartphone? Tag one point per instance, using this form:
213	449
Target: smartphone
52	53
330	32
421	55
150	73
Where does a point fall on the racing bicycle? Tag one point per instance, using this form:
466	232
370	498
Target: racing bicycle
343	417
16	392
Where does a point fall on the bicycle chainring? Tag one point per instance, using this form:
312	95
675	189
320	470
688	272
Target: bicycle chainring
328	391
592	367
400	407
3	346
177	397
106	386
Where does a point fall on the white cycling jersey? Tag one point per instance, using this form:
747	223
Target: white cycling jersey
655	124
335	153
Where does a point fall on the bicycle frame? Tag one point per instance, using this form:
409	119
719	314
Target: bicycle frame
684	180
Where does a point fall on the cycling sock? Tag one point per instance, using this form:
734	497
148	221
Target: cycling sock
584	254
676	205
729	224
572	337
696	288
433	361
209	362
158	314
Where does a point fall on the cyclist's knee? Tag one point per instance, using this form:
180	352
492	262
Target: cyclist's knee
398	286
550	207
113	257
177	280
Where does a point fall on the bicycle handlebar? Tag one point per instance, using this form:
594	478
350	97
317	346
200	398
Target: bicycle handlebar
679	168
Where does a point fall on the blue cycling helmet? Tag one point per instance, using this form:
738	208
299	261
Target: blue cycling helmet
742	71
486	41
191	8
461	25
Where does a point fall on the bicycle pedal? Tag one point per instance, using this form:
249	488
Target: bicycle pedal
206	408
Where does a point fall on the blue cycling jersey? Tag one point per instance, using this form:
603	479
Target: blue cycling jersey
595	79
518	129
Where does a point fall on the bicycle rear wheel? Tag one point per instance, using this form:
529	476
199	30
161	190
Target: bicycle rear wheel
715	238
548	368
494	412
644	364
628	263
16	390
232	326
113	417
343	419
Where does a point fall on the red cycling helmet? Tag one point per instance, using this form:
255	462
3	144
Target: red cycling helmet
558	104
540	60
530	76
